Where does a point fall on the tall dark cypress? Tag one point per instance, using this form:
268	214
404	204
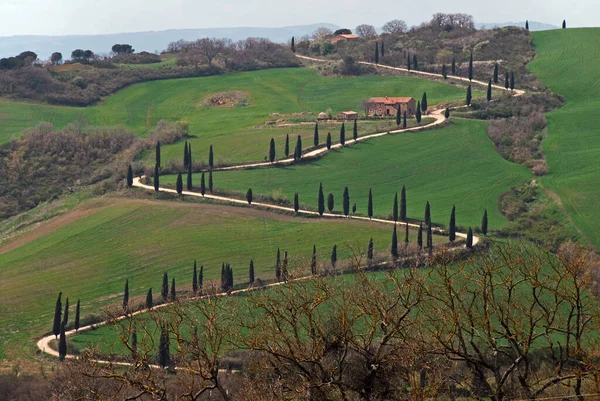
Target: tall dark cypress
355	130
179	184
418	113
272	150
506	81
278	265
398	117
453	65
427	214
496	73
296	203
403	204
249	196
370	252
164	353
173	293
330	202
343	134
62	343
405	123
469	95
129	176
395	208
156	178
286	149
452	225
376	53
346	202
328	140
564	24
298	151
57	316
429	238
406	234
186	156
293	45
251	272
527	24
489	91
370	204
157	162
313	262
321	200
444	72
512	80
420	236
202	184
424	102
210	182
334	256
484	223
77	315
149	300
415	63
134	343
470	238
195	279
394	243
447	113
189	183
316	135
65	319
164	292
230	278
471	67
126	297
211	158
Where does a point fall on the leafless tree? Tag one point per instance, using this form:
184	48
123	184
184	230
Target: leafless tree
395	26
366	31
210	47
321	34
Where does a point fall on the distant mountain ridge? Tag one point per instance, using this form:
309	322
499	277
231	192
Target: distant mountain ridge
150	41
533	25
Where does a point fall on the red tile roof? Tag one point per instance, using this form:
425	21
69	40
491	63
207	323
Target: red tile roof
390	100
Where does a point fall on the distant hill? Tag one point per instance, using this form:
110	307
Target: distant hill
533	26
150	41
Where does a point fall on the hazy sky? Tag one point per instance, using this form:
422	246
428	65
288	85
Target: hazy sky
66	17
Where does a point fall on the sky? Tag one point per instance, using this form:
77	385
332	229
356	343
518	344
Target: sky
92	17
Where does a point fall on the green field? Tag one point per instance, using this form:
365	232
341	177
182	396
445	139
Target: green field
90	252
567	62
236	132
454	165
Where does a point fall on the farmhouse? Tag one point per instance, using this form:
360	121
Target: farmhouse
389	106
347	115
342	37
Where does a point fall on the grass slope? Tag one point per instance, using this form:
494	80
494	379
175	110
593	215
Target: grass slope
567	62
455	165
103	242
232	131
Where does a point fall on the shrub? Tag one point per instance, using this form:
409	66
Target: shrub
540	167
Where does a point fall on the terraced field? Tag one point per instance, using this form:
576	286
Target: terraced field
567	62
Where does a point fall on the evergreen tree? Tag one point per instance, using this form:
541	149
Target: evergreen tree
316	135
471	67
293	45
313	262
284	267
420	236
229	277
210	182
489	91
173	293
424	102
134	343
296	203
195	279
346	202
286	149
427	214
444	72
512	81
249	196
57	316
447	113
418	115
211	158
62	344
506	82
452	225
179	184
149	300
470	238
382	49
186	156
405	123
164	353
403	204
398	117
429	238
496	73
157	162
370	204
126	297
165	286
395	208
334	256
328	140
156	178
129	176
415	63
469	95
77	314
189	177
321	200
66	314
394	243
251	272
354	208
564	24
272	150
278	266
453	65
330	203
202	184
484	223
527	24
355	130
343	134
376	53
201	279
370	252
408	65
298	150
406	234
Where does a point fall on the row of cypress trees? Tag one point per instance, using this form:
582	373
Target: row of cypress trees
60	323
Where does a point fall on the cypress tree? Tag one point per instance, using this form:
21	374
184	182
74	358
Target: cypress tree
427	214
210	182
195	279
189	177
506	83
298	151
229	278
408	66
293	45
201	279
328	140
156	178
173	293
564	24
249	196
484	223
395	208
202	184
429	238
420	236
394	243
354	208
134	343
77	314
398	117
404	123
370	252
149	300
346	202
370	204
334	256
211	158
343	134
62	344
129	176
57	316
527	24
321	200
126	297
382	49
286	149
403	204
447	113
406	234
66	314
186	156
316	135
376	53
453	65
418	115
415	63
251	272
165	286
496	73
330	203
164	353
444	72
470	238
489	91
512	81
355	130
296	203
278	266
452	225
469	95
272	150
471	67
179	184
424	102
157	162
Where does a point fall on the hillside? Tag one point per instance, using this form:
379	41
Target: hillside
567	62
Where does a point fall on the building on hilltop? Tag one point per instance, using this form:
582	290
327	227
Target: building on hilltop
389	106
347	115
342	37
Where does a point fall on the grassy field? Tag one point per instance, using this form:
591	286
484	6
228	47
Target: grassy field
567	62
455	165
90	252
235	132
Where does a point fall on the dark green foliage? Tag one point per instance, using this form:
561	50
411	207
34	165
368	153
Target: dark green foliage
427	214
330	202
564	24
201	279
469	95
186	156
321	200
334	256
129	176
77	314
65	319
470	238
202	184
506	81
149	300
343	134
164	292
398	117
452	225
278	265
370	204
406	234
313	262
296	202
527	25
62	344
328	140
405	123
156	178
195	279
394	250
251	272
164	353
370	252
179	184
286	149
447	113
272	150
420	236
424	102
395	208
173	292
249	196
57	316
376	53
316	135
210	182
512	80
415	63
157	162
354	208
408	64
211	157
403	204
346	202
189	177
429	238
496	73
126	297
444	72
355	130
293	45
418	114
453	65
471	67
489	91
484	223
298	150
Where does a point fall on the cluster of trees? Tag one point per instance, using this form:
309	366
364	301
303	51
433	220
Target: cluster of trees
226	277
61	321
25	59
